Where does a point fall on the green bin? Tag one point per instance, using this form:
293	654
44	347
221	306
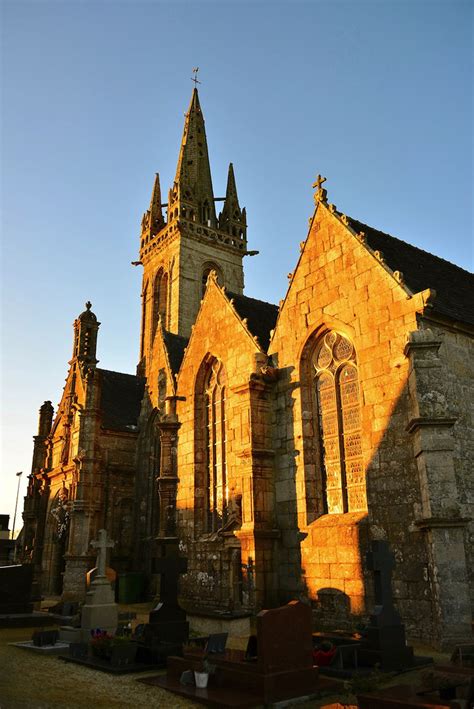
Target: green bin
131	586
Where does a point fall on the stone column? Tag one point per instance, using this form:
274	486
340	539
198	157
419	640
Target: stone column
258	535
431	426
168	480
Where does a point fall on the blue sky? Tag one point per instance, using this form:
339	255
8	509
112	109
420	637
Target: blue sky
377	96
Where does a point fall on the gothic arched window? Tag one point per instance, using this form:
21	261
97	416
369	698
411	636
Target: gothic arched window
144	314
215	445
160	298
336	388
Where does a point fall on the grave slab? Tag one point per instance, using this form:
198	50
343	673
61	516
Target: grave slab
55	649
400	696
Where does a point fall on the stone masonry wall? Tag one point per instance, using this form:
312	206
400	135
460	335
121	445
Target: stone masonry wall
218	333
194	257
118	455
338	284
457	355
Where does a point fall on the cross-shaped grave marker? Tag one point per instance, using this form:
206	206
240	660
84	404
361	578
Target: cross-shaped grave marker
170	566
102	545
381	561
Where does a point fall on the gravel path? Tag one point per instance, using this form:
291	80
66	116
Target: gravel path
31	681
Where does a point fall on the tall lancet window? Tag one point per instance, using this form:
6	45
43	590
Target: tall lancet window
339	417
215	394
144	323
160	298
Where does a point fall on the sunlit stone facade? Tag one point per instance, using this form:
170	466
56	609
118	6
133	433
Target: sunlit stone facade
272	442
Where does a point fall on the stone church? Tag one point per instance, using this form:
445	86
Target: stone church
273	442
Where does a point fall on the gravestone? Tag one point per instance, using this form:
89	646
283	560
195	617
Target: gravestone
386	632
42	638
167	628
100	609
284	639
278	667
15	589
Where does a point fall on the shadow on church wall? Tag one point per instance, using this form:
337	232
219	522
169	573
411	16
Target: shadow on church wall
325	558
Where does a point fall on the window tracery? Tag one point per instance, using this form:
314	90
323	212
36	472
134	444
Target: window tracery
336	385
215	396
160	298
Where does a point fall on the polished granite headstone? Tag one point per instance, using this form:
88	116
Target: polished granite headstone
167	628
279	668
386	632
15	589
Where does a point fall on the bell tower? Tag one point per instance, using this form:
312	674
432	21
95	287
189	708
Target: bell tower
178	253
86	328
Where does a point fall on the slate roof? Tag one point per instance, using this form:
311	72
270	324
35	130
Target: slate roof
175	345
453	285
261	316
120	399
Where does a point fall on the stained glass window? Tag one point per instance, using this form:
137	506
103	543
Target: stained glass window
216	447
338	406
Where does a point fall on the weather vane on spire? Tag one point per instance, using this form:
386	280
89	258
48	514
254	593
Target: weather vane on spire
195	79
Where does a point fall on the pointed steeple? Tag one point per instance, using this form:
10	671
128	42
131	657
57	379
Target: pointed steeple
192	186
232	219
156	215
152	220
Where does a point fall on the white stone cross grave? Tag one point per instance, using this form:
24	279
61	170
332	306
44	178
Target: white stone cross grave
102	545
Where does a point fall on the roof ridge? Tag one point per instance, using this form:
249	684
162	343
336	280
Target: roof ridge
122	374
407	243
231	294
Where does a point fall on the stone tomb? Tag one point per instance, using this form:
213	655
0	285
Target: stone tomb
281	666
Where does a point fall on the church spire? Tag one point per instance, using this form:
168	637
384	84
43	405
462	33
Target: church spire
232	219
152	220
192	186
156	215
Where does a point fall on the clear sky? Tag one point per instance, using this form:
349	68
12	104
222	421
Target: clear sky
377	96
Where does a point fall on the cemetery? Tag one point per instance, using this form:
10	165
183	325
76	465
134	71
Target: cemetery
154	651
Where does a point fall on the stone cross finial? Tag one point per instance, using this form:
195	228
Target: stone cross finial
102	545
195	79
321	194
88	305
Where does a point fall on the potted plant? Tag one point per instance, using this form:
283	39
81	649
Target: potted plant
324	654
100	643
123	650
201	675
116	649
